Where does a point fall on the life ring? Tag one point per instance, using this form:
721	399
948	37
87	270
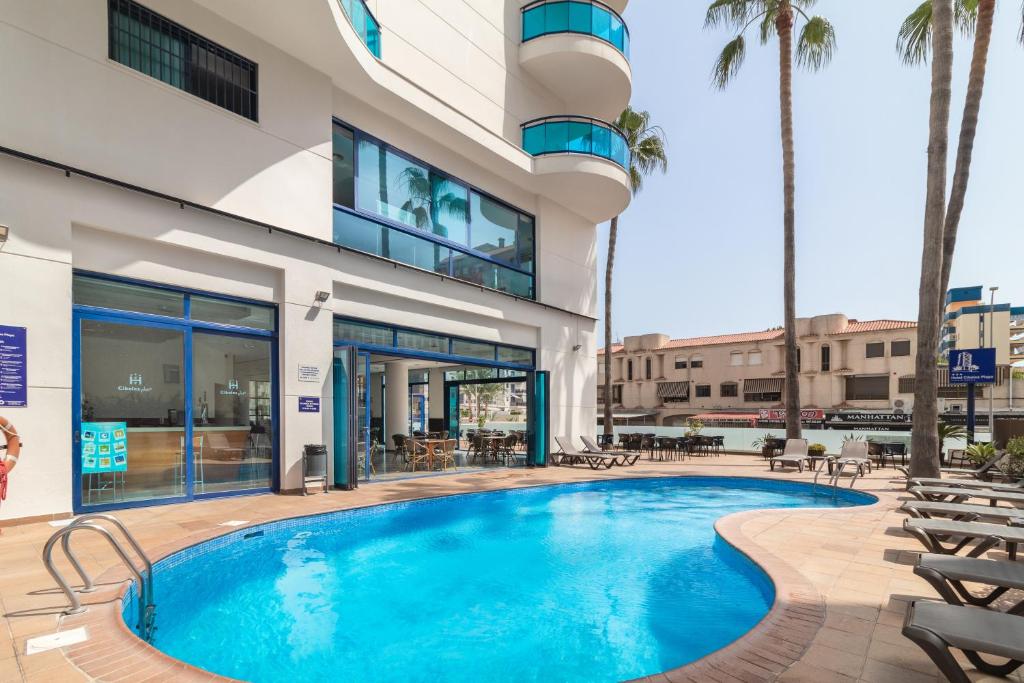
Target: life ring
13	447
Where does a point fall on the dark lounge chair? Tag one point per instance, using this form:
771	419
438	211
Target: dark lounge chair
963	512
934	532
938	628
623	457
568	455
994	494
947	575
986	469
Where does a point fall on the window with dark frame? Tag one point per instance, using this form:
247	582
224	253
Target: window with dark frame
874	350
703	391
697	362
617	394
154	45
826	358
763	397
867	388
900	348
728	390
680	362
648	368
629	370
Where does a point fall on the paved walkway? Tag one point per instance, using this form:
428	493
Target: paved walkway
843	578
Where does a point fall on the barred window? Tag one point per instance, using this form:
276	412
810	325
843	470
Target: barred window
728	389
158	47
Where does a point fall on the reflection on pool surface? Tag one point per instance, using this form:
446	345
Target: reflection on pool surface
600	581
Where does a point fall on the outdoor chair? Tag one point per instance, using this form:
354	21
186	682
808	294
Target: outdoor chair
947	575
938	628
418	455
624	458
962	512
994	493
401	447
445	456
570	456
934	533
984	471
957	457
890	451
648	442
795	455
718	444
853	454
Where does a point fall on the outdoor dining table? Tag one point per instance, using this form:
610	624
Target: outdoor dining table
431	445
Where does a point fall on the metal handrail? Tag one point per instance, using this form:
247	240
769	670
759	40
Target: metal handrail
146	609
87	582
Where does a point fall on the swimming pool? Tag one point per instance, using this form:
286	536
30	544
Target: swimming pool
598	581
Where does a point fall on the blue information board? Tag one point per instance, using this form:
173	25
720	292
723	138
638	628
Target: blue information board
13	367
309	404
104	447
972	366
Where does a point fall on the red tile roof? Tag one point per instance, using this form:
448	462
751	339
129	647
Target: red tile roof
853	326
876	326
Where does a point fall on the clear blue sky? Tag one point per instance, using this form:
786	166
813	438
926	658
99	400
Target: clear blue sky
700	249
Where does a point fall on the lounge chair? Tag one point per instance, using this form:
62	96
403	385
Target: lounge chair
936	628
962	512
794	455
955	494
934	532
854	454
987	468
947	574
570	456
624	457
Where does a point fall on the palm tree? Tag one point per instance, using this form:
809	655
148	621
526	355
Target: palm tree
814	47
646	144
924	446
430	198
913	45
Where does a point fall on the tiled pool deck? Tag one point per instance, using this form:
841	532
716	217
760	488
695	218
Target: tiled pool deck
843	578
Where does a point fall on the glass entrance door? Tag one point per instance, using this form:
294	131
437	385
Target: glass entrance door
362	388
131	418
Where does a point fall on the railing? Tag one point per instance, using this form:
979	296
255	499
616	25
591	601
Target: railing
365	24
575	135
144	577
587	17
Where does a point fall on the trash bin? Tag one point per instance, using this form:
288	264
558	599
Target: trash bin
314	466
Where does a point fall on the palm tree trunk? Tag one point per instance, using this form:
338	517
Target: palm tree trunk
924	445
784	27
613	233
965	150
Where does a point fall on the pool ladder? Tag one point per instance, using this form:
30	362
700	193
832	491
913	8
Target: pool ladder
145	625
840	463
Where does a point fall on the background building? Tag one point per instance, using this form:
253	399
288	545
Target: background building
966	320
853	374
222	214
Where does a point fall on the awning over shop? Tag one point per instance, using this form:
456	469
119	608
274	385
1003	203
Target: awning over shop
673	389
763	385
750	418
630	416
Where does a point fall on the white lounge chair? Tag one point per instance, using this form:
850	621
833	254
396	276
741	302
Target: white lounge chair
794	455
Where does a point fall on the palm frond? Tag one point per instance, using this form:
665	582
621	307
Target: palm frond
646	144
816	43
1020	36
767	27
729	12
729	62
965	15
914	41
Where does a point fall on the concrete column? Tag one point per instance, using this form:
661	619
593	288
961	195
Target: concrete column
435	394
396	401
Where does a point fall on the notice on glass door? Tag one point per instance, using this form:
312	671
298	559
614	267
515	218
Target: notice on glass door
13	367
104	447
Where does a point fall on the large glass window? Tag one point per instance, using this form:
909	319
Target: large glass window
238	313
123	296
438	223
362	333
233	434
132	433
420	341
158	47
394	187
471	349
867	388
900	348
874	350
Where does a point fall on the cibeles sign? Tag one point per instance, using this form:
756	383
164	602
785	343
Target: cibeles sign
135	385
232	389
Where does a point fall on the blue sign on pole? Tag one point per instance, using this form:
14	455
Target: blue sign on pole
309	404
13	367
972	366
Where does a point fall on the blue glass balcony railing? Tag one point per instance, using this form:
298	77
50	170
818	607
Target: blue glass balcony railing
365	24
588	17
575	135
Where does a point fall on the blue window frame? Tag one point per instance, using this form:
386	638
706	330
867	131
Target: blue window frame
394	340
365	24
394	206
154	45
111	312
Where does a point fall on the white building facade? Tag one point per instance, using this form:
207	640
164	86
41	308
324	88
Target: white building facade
218	211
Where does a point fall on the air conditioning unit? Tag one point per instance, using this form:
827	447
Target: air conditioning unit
956	408
898	403
898	411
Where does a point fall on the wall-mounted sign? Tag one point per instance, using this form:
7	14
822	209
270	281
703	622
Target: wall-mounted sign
309	404
779	414
972	366
899	418
104	447
13	367
309	373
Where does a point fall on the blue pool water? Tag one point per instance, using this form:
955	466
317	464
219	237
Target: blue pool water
600	581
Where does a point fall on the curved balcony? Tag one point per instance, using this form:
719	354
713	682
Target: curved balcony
580	50
584	162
